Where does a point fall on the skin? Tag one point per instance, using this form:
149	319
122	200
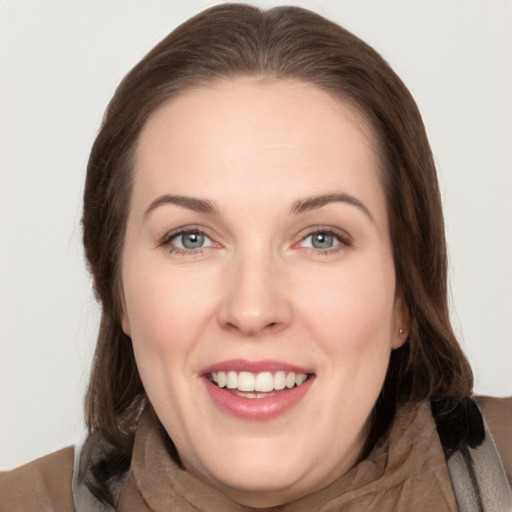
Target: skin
258	288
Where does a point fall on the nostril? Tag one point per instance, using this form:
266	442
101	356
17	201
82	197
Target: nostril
254	315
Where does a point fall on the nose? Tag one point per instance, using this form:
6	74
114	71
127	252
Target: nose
255	298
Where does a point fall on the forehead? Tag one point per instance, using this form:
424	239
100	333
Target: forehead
236	135
253	104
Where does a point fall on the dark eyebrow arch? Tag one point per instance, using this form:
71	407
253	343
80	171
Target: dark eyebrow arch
312	203
191	203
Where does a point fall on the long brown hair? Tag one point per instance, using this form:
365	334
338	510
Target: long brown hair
285	42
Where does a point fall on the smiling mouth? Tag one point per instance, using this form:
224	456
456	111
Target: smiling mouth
259	385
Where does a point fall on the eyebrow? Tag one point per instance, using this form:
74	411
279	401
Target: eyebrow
191	203
314	202
300	206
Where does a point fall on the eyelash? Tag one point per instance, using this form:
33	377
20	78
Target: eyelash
343	238
166	241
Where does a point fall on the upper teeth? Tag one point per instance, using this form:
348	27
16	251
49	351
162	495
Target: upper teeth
264	381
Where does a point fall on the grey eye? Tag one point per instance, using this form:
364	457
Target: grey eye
322	240
193	240
188	241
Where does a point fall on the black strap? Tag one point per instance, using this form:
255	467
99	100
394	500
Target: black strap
478	476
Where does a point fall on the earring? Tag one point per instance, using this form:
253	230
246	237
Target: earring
401	331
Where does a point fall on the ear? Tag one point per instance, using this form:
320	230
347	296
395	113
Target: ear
401	323
125	321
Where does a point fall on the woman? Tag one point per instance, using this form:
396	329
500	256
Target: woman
263	224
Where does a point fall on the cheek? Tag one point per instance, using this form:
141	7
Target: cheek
160	308
164	323
351	316
161	327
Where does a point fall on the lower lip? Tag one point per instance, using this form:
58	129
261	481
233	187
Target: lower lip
257	409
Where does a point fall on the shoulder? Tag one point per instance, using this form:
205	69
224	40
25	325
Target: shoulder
498	415
44	484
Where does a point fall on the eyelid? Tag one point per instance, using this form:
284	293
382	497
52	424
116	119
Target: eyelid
188	228
165	240
344	238
311	230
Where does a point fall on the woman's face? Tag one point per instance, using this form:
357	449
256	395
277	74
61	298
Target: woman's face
259	285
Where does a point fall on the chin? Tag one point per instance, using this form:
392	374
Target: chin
264	491
261	479
256	479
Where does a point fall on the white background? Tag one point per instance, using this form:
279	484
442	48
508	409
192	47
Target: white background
60	62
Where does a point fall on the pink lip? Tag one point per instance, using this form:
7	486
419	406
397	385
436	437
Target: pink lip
256	409
265	365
